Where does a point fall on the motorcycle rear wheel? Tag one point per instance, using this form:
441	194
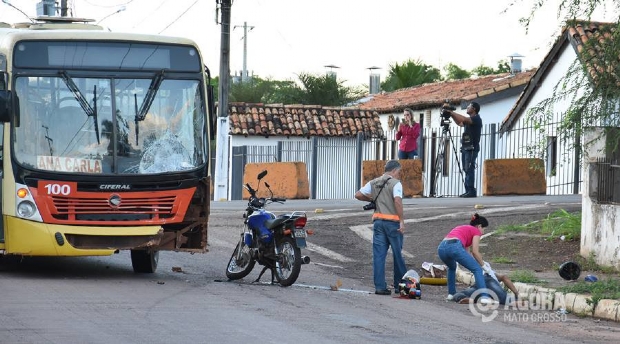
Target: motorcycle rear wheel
238	269
288	265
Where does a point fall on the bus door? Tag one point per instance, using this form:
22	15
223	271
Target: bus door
4	117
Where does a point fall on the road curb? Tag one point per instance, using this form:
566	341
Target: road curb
551	299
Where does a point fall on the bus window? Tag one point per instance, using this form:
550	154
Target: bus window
59	132
55	132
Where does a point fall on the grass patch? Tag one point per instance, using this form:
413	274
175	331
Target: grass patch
557	224
525	276
603	289
590	264
502	260
562	223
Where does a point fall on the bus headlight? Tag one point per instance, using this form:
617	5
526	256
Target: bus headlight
25	206
26	209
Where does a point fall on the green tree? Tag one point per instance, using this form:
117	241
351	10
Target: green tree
284	92
254	90
593	94
409	73
454	72
215	82
502	67
326	90
311	90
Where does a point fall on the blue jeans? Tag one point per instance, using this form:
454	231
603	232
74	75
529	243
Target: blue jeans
491	284
386	234
469	167
454	252
407	155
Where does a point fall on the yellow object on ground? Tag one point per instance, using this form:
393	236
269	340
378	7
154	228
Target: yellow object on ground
433	281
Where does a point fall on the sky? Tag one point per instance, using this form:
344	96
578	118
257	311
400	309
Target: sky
290	37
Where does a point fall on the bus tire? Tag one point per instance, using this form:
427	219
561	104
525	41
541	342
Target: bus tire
144	261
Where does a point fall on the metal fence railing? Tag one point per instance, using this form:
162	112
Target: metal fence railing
334	163
606	188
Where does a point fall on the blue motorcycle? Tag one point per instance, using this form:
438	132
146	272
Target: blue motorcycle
274	242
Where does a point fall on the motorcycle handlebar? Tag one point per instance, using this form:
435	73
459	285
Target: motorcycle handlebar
252	192
275	199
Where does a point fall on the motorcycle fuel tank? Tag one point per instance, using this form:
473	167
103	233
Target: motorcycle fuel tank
257	222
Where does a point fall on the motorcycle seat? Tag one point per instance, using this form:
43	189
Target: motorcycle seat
271	224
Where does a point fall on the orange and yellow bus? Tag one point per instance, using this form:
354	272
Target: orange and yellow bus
104	142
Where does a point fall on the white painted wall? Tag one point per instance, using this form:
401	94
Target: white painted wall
222	155
494	112
565	154
600	223
567	57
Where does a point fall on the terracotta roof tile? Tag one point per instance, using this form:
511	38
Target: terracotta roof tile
590	40
301	120
454	91
578	32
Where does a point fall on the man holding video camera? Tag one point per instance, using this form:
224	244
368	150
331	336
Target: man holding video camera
385	195
470	142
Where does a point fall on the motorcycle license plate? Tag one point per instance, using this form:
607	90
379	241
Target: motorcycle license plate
300	233
300	237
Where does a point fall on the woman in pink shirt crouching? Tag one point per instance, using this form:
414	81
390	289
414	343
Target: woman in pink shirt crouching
462	245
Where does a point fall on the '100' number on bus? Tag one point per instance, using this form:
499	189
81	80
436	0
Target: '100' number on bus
58	189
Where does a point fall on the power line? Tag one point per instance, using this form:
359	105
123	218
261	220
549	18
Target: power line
22	12
108	6
179	17
150	14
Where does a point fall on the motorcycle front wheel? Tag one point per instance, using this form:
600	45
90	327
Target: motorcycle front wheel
288	263
239	268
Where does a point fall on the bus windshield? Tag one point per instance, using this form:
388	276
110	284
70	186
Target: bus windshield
74	124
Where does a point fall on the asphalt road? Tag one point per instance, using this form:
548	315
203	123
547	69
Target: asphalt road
101	300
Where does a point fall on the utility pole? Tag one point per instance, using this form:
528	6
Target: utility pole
220	188
244	74
63	8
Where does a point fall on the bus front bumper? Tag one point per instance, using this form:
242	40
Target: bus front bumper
30	238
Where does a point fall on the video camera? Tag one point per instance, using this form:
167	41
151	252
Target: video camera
445	114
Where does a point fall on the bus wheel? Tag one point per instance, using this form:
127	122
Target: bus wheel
144	261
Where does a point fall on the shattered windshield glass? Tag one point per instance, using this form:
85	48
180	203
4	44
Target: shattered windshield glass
73	124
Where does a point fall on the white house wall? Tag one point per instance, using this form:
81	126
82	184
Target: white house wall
600	223
565	153
336	160
493	112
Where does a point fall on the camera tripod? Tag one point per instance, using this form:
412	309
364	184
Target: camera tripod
439	163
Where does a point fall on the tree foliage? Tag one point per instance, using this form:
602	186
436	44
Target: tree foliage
409	73
590	87
454	72
482	70
311	90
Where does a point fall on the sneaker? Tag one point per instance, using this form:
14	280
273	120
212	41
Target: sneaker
383	292
487	301
449	297
468	195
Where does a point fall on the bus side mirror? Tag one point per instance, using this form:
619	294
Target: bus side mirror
5	106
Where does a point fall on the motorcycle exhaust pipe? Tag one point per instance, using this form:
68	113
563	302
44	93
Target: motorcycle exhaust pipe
305	260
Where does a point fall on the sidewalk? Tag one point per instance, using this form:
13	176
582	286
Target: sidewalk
570	302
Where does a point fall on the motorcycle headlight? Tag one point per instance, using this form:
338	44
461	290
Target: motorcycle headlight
26	209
